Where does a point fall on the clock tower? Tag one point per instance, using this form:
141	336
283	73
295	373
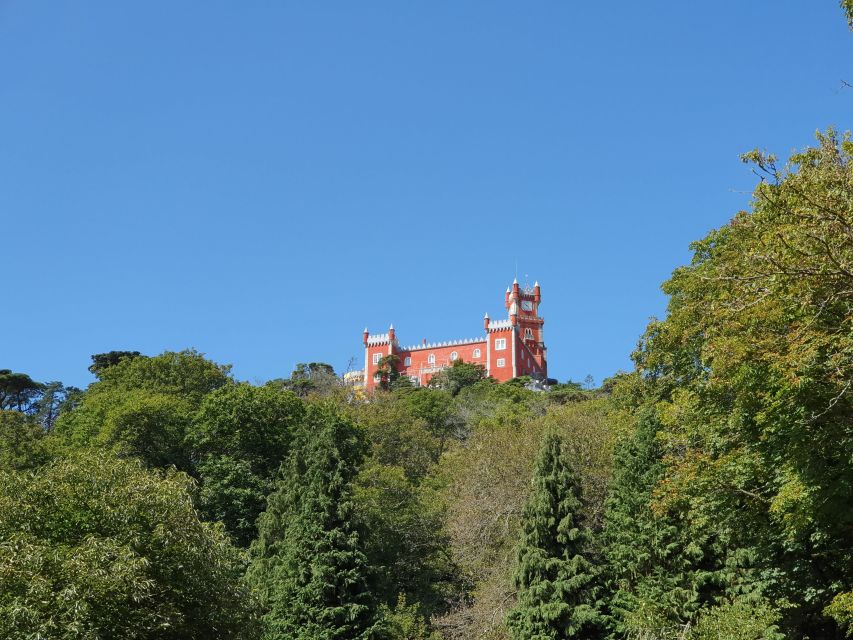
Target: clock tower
523	306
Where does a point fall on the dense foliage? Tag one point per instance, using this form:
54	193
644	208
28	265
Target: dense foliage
93	546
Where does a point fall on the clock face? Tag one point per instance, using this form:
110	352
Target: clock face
526	305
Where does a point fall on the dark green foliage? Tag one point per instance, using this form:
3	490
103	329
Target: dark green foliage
94	547
101	361
657	569
404	538
388	371
238	439
458	376
308	563
555	578
313	377
18	391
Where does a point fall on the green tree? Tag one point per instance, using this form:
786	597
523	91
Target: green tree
387	370
93	547
404	538
238	439
555	578
458	376
143	407
313	377
101	361
55	399
308	563
21	442
18	391
751	370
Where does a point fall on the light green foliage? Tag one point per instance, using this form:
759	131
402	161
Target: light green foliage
554	576
841	610
435	408
21	442
398	437
143	407
403	622
309	565
238	439
97	547
737	621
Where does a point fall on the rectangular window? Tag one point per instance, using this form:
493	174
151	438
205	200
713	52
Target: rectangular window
501	362
376	357
500	344
407	361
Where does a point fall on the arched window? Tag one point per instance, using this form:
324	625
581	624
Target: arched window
431	358
528	334
454	355
476	353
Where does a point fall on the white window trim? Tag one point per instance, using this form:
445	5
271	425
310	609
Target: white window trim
501	362
431	358
500	344
454	355
408	361
376	358
476	354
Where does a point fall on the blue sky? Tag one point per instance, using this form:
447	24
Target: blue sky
261	180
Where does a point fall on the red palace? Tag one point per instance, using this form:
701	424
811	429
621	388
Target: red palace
509	348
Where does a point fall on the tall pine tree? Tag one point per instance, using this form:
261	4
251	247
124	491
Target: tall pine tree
308	564
555	577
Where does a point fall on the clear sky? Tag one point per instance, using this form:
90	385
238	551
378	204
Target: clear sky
260	180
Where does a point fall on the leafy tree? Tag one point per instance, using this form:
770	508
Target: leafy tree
101	361
737	620
313	377
55	399
93	546
404	538
143	407
435	408
555	577
458	376
18	391
309	565
387	370
397	437
847	5
238	439
21	442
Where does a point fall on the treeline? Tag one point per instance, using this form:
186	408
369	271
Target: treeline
706	494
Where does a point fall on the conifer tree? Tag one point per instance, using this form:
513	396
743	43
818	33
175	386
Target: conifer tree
555	578
308	564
